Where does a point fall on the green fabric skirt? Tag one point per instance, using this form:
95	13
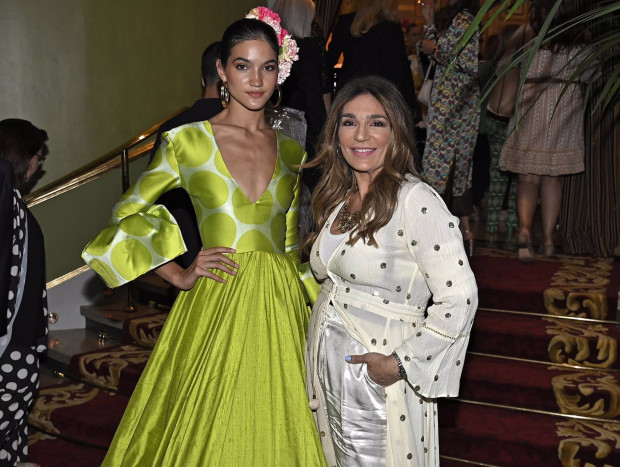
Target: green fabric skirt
225	383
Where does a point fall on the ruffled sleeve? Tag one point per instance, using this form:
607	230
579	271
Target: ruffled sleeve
433	357
141	235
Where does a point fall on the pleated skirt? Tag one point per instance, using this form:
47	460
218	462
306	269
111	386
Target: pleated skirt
225	383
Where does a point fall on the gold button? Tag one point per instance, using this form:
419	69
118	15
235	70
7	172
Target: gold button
407	358
409	456
398	288
402	418
352	276
413	243
400	233
373	341
383	265
436	377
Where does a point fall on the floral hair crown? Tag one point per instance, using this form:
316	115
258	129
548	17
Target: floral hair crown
288	52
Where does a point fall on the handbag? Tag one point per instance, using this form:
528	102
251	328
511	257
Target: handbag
424	96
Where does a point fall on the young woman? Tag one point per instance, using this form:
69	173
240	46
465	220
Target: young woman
225	383
454	110
378	357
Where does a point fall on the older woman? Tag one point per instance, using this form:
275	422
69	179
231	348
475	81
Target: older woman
23	301
386	243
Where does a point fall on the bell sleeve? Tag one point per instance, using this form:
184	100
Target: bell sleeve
433	357
141	235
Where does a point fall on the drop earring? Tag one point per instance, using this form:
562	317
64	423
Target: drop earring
224	94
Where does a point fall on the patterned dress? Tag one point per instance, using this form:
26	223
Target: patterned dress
225	383
548	139
454	113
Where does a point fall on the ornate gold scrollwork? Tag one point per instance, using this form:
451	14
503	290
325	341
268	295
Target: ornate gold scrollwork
110	364
575	343
605	437
588	393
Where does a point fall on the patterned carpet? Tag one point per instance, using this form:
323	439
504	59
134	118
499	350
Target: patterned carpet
523	355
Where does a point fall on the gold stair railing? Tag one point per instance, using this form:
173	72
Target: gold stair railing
133	149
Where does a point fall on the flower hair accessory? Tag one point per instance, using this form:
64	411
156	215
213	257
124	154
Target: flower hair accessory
288	52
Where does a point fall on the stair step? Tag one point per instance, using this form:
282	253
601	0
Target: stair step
499	436
117	368
538	386
546	338
56	452
63	344
78	412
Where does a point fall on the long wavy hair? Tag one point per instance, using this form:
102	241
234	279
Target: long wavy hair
337	181
371	12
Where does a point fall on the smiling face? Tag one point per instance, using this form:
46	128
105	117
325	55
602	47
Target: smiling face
364	134
251	73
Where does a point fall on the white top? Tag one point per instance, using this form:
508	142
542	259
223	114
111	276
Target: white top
329	243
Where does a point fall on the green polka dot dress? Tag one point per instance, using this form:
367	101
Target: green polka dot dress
225	383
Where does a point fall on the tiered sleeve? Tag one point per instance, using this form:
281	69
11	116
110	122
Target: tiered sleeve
433	357
141	235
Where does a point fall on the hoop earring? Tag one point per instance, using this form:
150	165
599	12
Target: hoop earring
224	94
339	152
279	97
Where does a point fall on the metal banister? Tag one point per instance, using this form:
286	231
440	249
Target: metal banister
135	148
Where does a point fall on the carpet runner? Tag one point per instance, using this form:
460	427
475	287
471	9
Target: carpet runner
537	388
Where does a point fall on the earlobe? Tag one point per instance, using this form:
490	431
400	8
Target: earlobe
220	70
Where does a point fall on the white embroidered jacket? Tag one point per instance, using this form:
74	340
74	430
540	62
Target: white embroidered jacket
381	295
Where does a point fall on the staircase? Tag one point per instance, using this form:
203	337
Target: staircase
540	384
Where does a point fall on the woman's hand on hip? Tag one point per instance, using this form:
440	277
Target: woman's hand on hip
382	369
428	46
211	258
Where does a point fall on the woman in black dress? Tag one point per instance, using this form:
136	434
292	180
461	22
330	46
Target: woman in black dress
23	298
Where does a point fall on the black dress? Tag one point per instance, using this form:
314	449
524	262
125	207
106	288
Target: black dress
380	51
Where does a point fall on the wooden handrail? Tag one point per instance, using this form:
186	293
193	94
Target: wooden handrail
100	166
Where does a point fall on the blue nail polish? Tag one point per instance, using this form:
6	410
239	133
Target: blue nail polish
348	358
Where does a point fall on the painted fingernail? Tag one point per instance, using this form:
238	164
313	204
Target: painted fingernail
348	358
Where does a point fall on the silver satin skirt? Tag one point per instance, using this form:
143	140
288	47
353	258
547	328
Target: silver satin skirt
355	404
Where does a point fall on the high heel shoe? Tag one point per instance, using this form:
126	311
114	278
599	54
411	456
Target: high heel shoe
525	250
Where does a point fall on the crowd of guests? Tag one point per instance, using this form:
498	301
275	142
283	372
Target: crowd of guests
338	360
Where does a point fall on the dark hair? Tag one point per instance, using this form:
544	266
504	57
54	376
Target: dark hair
20	141
247	29
208	68
445	15
568	10
337	177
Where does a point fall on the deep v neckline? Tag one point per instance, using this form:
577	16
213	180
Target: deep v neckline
273	173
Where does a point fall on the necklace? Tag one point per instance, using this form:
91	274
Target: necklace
347	220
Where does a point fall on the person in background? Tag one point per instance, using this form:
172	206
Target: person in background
304	88
378	356
177	201
413	36
481	159
23	316
454	111
372	43
548	141
502	193
225	382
